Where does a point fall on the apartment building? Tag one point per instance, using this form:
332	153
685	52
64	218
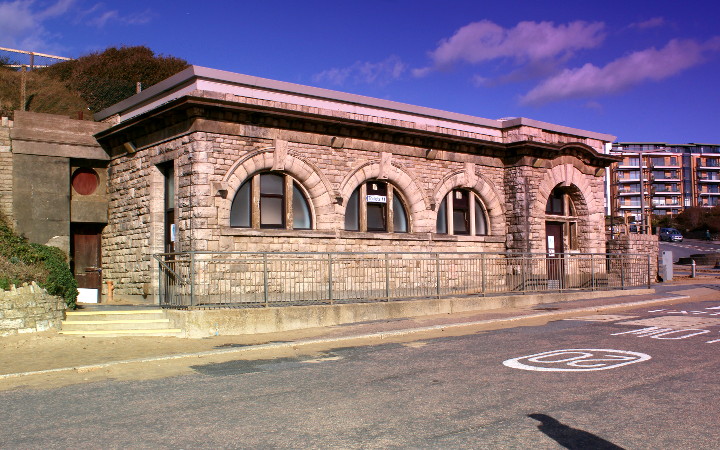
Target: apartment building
662	179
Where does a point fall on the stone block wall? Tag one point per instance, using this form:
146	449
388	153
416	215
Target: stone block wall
639	244
207	163
29	309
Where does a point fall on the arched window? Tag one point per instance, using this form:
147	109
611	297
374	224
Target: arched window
462	213
559	203
270	200
376	206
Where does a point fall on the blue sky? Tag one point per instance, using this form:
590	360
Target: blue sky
644	71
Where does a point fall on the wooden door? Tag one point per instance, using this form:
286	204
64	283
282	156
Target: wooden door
555	249
85	250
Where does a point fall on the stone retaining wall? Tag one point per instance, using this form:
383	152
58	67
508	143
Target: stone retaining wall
29	309
641	244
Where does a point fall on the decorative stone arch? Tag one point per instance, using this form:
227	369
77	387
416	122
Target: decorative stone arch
483	188
589	208
316	186
407	184
567	175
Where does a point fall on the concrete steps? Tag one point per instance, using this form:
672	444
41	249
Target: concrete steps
118	322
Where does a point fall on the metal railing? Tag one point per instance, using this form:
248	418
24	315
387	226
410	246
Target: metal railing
239	279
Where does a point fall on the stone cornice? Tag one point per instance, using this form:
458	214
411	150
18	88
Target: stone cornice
196	113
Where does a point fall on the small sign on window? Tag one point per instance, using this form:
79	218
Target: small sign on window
376	199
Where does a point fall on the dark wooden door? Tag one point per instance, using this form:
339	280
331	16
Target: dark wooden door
554	245
86	255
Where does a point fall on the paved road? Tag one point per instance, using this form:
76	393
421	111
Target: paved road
689	247
640	379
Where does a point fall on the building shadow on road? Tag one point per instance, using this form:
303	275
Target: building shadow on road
570	437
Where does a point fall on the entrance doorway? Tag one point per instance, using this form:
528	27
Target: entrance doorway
555	249
86	264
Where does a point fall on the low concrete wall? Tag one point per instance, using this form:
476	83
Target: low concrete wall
29	309
203	323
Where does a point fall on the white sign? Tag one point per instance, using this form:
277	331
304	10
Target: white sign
551	245
576	360
376	199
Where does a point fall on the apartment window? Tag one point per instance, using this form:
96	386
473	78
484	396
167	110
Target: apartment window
271	200
462	213
632	161
376	206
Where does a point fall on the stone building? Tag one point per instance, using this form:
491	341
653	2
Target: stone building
215	161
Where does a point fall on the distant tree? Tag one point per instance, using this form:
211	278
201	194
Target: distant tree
105	78
699	218
690	218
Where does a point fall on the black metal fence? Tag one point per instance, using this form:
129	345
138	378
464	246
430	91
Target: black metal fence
239	279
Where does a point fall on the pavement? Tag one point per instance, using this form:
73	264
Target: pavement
34	360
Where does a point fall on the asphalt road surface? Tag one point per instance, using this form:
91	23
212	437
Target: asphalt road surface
689	247
643	379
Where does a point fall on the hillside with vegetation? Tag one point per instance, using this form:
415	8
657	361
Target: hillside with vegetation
78	88
24	262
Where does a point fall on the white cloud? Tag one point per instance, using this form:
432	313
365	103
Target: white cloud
380	73
646	65
650	23
21	23
484	41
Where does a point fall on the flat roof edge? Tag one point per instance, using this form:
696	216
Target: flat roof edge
197	72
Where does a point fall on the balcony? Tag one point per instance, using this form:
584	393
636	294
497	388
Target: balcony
709	165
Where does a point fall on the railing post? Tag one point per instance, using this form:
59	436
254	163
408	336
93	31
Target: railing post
160	284
330	278
592	271
265	280
648	271
387	277
622	271
437	275
523	269
482	273
192	279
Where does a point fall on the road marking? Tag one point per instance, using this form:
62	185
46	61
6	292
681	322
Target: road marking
664	333
602	317
576	360
675	322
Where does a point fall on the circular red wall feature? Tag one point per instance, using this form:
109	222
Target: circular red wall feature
85	181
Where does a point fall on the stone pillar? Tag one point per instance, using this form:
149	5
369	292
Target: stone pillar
6	171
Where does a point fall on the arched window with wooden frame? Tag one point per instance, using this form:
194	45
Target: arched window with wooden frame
271	200
376	206
461	212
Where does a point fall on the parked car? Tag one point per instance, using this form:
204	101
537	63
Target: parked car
670	235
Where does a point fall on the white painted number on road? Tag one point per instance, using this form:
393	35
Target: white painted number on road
576	360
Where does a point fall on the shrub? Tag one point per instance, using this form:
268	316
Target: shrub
23	262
